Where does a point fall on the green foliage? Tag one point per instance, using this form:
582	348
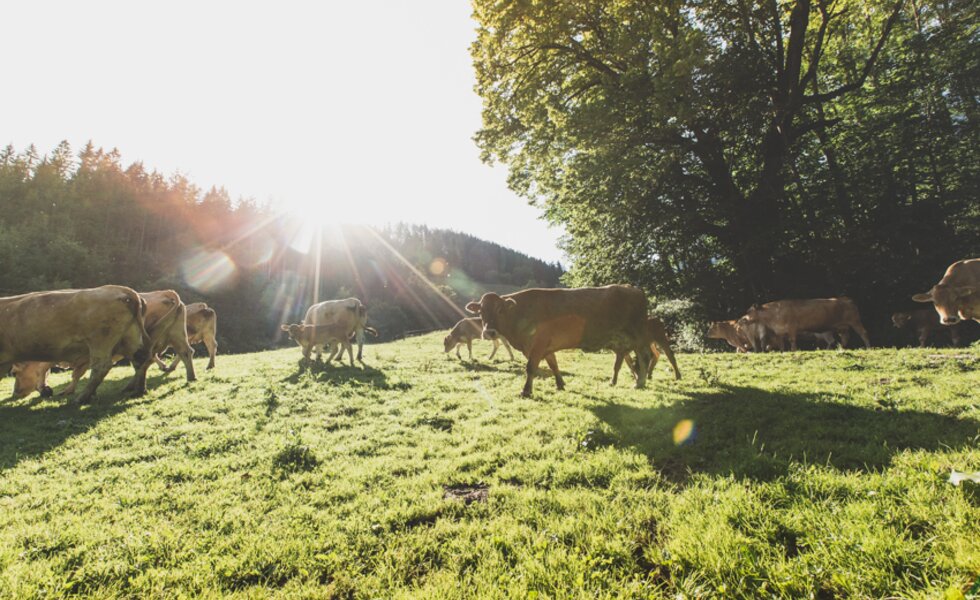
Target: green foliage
735	152
816	474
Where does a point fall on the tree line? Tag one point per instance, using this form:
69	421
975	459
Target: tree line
720	153
72	220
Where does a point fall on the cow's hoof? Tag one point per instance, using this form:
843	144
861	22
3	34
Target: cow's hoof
191	379
46	392
209	367
137	393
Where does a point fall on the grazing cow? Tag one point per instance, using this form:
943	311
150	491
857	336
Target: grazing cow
728	331
316	336
657	338
165	323
790	317
349	311
74	326
467	330
926	322
957	295
539	322
202	326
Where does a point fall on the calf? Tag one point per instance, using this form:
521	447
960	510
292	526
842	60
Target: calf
656	335
926	322
202	326
727	330
310	337
467	330
349	311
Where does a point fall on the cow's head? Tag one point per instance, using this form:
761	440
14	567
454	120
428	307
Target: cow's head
901	319
493	310
448	342
950	301
295	332
27	378
716	330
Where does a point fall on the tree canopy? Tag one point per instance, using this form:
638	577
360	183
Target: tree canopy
740	151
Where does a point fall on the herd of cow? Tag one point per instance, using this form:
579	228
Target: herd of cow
94	328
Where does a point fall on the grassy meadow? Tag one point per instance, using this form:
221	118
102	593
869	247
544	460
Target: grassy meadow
810	474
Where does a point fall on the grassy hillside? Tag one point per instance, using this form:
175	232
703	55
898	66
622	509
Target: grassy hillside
818	474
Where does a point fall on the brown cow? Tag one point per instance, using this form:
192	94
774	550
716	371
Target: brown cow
74	326
202	326
539	322
656	334
317	336
164	322
789	317
957	295
926	322
467	330
728	331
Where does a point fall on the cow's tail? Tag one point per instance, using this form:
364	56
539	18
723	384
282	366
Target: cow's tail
161	327
371	330
137	307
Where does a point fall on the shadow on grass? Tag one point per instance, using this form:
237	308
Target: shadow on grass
495	367
334	373
31	427
756	434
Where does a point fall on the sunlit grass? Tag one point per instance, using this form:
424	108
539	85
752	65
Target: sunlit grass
796	474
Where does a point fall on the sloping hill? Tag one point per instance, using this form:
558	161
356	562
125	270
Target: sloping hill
821	473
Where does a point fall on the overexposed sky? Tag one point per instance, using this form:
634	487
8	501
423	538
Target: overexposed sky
355	111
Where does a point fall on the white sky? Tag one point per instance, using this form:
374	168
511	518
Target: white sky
363	111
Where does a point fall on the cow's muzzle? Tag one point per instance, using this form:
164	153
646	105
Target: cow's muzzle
489	334
951	320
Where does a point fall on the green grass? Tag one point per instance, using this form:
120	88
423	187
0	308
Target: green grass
817	474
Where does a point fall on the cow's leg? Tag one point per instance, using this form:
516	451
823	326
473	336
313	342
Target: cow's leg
469	348
954	335
76	376
360	343
923	337
212	345
643	358
861	331
553	364
792	340
496	344
670	357
532	366
620	356
507	347
458	346
137	386
186	354
173	365
350	352
100	368
159	362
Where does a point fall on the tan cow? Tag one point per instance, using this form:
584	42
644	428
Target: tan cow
790	317
348	311
165	324
728	331
926	322
467	330
539	322
957	295
74	326
317	336
656	335
202	326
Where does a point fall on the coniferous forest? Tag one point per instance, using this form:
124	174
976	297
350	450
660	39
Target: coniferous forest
73	219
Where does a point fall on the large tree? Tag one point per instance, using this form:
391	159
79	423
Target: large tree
736	149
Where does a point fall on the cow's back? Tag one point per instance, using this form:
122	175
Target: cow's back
612	315
331	311
815	314
963	273
63	325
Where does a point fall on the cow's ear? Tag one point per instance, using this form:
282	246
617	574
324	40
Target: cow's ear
284	327
509	304
924	297
473	307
